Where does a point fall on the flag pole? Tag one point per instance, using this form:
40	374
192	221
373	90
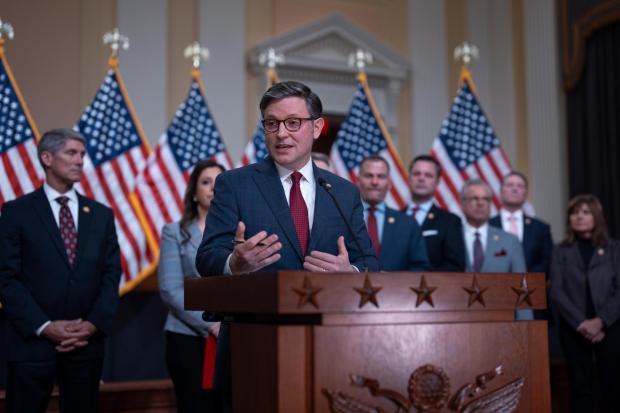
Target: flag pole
6	30
117	42
360	59
466	53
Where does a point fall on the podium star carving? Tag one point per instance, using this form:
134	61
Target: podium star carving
523	293
368	293
307	293
424	293
475	293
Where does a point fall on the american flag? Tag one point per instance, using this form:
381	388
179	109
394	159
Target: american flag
467	148
256	149
116	151
191	136
362	134
20	171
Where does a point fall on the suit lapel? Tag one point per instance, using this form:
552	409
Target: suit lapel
388	237
430	218
84	226
527	232
45	213
268	183
321	202
493	243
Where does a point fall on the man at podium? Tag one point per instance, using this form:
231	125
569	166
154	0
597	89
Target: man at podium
283	212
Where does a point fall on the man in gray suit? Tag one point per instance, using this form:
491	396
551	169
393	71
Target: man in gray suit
489	249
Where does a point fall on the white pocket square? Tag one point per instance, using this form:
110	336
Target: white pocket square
429	232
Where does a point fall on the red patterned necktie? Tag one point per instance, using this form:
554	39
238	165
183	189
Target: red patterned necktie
299	212
372	229
67	229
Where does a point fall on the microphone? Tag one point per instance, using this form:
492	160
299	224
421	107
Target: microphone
327	186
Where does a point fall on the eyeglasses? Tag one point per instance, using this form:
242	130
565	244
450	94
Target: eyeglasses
476	200
291	124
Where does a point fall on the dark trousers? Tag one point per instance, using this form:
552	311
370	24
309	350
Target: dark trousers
29	384
184	358
591	363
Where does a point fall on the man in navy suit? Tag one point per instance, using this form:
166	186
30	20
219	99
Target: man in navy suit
277	214
441	229
534	234
59	273
396	237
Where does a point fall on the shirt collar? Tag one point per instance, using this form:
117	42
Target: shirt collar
470	231
505	214
379	207
424	206
306	171
52	194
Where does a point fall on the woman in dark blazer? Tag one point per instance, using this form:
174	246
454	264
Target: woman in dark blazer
585	283
186	331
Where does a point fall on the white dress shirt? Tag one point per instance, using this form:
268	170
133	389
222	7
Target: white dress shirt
507	216
306	184
52	195
469	234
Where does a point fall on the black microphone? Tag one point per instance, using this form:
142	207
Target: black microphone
327	186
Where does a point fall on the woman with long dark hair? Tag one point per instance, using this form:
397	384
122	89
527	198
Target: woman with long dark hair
186	331
585	283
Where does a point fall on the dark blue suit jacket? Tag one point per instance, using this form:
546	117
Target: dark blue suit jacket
402	245
37	283
254	195
443	233
537	242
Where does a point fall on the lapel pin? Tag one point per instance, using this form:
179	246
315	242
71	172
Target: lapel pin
430	215
495	237
86	209
391	220
601	251
528	221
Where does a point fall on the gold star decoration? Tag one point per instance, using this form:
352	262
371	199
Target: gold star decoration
424	293
307	293
475	293
523	293
368	293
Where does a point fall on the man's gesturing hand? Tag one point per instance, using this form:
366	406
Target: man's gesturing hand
253	253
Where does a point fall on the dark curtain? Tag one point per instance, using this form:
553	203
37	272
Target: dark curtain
593	109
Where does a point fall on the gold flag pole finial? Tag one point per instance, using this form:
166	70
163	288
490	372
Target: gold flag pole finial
117	42
198	54
466	53
6	30
270	58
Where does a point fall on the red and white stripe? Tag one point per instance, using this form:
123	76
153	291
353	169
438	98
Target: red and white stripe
490	168
160	187
399	195
111	183
20	171
249	154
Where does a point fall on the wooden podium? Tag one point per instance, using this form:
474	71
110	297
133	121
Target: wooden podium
351	342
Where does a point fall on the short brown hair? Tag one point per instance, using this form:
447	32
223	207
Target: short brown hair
426	158
599	233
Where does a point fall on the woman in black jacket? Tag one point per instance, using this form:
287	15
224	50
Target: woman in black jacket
585	278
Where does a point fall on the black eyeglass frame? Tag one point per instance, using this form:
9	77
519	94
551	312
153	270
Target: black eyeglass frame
285	125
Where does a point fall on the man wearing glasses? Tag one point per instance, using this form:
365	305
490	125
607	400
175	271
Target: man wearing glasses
277	214
489	249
